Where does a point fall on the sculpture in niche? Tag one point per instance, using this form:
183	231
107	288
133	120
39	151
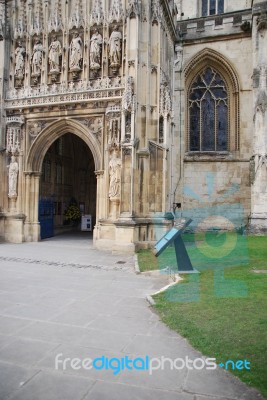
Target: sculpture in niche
55	52
115	176
13	177
36	60
115	49
76	54
178	62
95	51
19	63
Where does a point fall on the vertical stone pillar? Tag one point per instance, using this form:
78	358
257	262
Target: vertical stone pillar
13	149
258	218
36	224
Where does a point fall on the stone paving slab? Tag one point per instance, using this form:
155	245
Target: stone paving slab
53	386
61	296
117	391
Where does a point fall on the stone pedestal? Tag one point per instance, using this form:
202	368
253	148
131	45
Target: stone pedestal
14	228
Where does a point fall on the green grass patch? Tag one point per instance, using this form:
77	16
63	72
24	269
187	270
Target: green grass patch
222	311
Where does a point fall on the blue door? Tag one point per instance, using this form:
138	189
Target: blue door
46	218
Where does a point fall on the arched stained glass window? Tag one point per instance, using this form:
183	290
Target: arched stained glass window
208	113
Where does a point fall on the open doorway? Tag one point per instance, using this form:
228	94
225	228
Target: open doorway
67	186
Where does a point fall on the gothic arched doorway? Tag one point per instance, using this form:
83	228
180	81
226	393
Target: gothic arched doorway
67	186
67	177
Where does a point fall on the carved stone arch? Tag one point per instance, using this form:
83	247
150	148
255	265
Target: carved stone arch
54	131
211	58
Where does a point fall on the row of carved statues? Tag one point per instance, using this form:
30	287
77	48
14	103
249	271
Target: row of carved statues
114	173
75	54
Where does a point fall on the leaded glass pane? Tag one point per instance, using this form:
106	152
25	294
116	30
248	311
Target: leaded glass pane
208	109
218	81
212	7
208	123
208	76
222	126
219	93
194	127
197	94
204	8
220	6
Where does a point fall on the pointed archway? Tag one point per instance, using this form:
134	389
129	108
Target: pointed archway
80	139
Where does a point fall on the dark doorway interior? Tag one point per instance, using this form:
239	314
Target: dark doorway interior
68	178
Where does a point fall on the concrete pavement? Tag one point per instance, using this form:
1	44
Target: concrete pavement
62	297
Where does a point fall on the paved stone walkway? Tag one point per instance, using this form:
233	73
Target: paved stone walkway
61	296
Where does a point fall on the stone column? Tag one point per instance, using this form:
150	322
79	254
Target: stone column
13	149
258	218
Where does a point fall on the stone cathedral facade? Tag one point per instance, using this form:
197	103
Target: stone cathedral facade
132	110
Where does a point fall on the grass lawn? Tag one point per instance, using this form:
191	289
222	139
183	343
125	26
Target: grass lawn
223	310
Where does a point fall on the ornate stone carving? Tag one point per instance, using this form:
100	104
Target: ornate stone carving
113	114
21	23
13	137
165	106
55	52
115	49
2	19
95	51
76	55
178	62
115	11
35	128
37	24
127	127
114	176
155	12
36	60
262	21
72	92
95	125
246	26
76	18
133	8
127	100
55	19
13	170
97	14
19	64
126	150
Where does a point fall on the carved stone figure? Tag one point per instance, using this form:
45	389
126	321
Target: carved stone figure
95	50
19	61
36	59
115	176
76	55
13	177
178	62
55	51
115	48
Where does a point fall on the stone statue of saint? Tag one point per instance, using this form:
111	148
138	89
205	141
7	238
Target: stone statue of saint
19	60
37	57
115	176
95	49
55	51
76	53
115	46
13	177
